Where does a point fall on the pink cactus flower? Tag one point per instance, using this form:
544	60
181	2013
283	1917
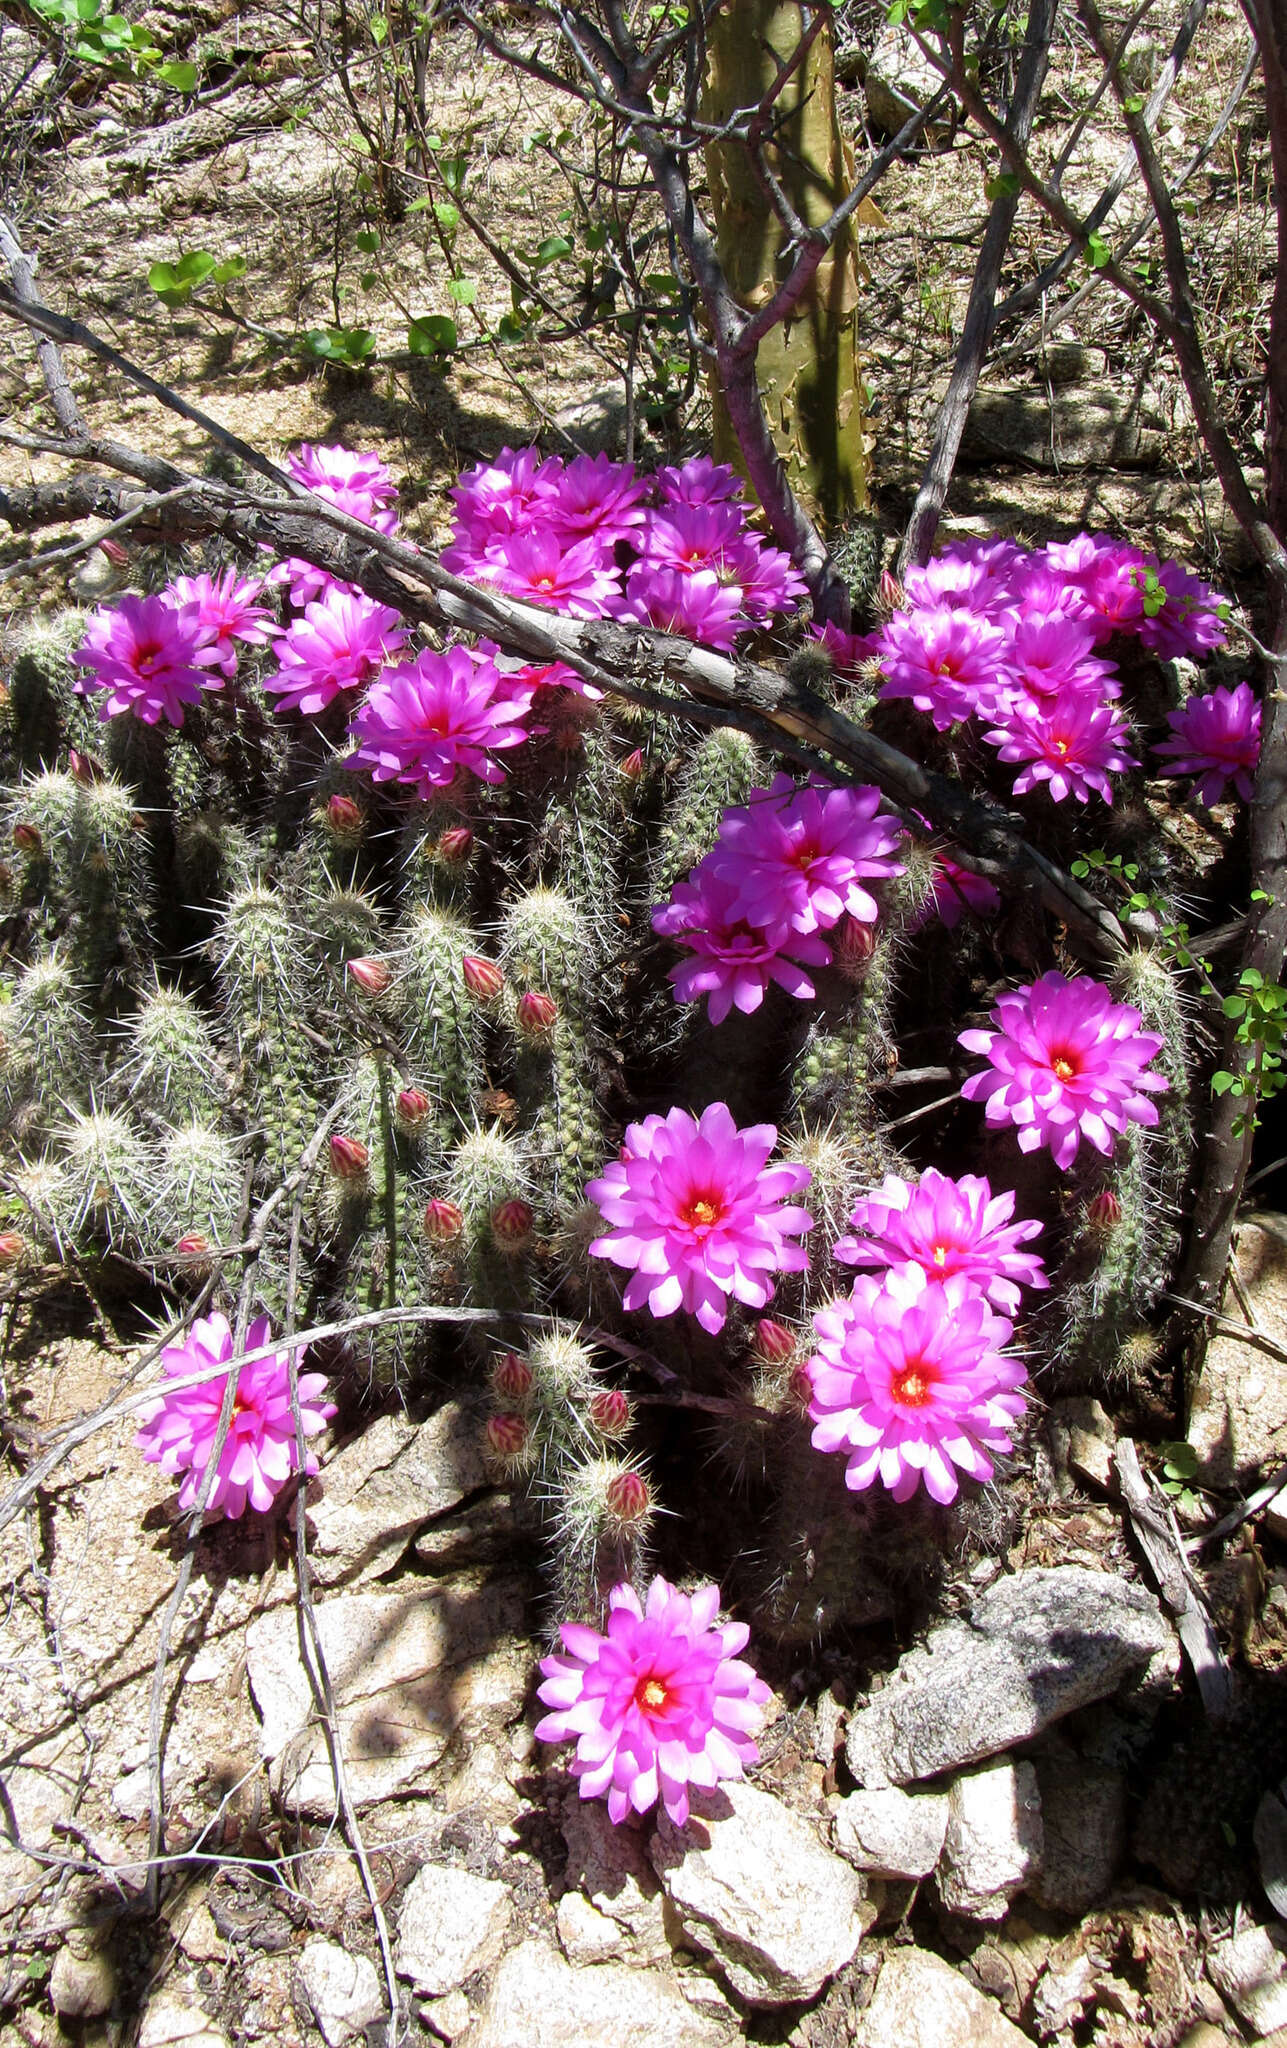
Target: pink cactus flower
693	537
1105	573
542	567
341	643
1071	744
696	607
946	1227
227	611
1216	738
427	718
848	651
597	497
956	889
1048	656
511	495
1191	619
948	663
967	576
770	581
734	962
798	857
909	1380
149	657
358	484
699	482
658	1704
1065	1063
260	1453
695	1212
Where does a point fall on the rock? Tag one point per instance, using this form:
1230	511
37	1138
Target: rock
1083	1818
378	1491
891	1833
922	2002
754	1886
1250	1973
171	2022
1036	1645
585	1934
451	1924
611	1867
993	1842
1095	428
1270	1833
1082	1436
82	1983
342	1989
411	1671
539	2001
1235	1424
898	81
447	2016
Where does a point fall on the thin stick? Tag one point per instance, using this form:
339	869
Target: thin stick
1154	1527
85	546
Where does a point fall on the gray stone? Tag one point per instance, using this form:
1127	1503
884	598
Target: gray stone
342	1989
82	1983
1082	429
411	1672
1270	1834
993	1842
451	1924
754	1887
611	1867
1083	1817
922	2002
1036	1645
1082	1436
889	1833
1236	1421
539	2001
1250	1972
172	2022
379	1490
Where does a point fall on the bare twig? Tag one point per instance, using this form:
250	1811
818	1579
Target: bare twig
1154	1528
143	510
61	396
1246	1511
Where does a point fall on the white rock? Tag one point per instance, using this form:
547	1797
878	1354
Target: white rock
994	1839
170	2022
891	1833
342	1989
1241	1395
451	1924
539	2001
82	1983
586	1935
757	1889
1251	1972
610	1864
379	1490
922	2002
447	2016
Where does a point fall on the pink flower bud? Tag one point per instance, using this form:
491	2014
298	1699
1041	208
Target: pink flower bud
412	1106
537	1013
483	978
349	1158
628	1499
344	818
116	554
192	1245
511	1377
27	838
801	1388
633	766
1104	1211
84	768
506	1435
890	595
456	845
854	944
13	1248
443	1221
773	1342
610	1412
512	1224
370	974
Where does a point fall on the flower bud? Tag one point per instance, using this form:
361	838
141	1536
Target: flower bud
350	1158
192	1245
854	944
890	595
536	1014
370	974
84	768
773	1342
1103	1211
512	1224
344	818
116	554
455	845
13	1248
610	1413
483	978
412	1107
27	837
511	1377
506	1435
628	1500
443	1221
800	1388
633	766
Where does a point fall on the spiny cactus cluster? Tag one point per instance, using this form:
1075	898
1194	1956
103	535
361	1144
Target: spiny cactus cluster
218	936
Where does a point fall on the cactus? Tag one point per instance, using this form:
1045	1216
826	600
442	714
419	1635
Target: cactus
47	1041
265	978
201	1176
171	1064
721	772
45	714
111	1179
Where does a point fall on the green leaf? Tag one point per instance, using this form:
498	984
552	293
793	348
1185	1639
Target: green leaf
379	28
1003	185
1134	105
179	73
349	346
367	241
464	290
368	279
511	326
1098	251
232	267
551	249
432	335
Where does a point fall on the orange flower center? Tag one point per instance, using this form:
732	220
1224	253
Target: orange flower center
1061	748
912	1386
651	1695
1063	1067
703	1212
940	1255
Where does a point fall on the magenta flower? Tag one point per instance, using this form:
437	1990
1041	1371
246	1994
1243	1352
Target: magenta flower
968	576
514	494
260	1453
659	1703
149	657
909	1380
956	889
597	497
734	961
424	720
699	482
769	579
694	1211
1216	737
693	537
1072	744
848	651
1105	574
1191	620
543	567
227	611
946	1227
354	483
1047	656
696	607
1065	1063
947	662
340	644
798	857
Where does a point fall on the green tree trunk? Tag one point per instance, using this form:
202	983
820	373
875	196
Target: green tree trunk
807	367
